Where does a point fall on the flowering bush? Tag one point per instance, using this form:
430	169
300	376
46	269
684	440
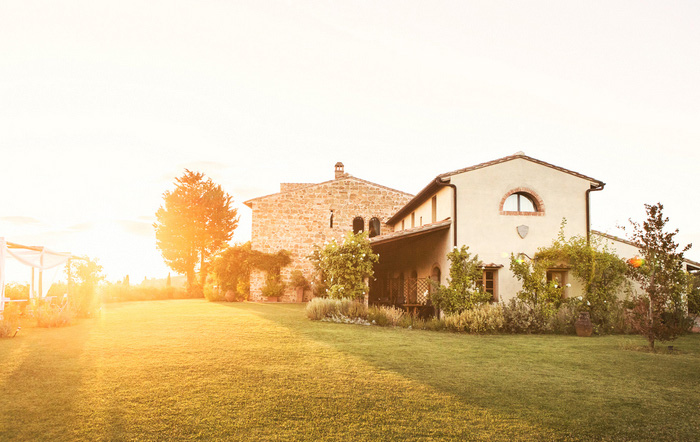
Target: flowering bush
464	289
343	267
537	292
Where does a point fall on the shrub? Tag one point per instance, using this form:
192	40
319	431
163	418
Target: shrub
562	322
540	294
434	324
83	295
465	289
321	308
298	280
231	270
601	273
385	315
125	293
483	319
273	287
15	290
343	268
213	294
9	322
48	314
519	317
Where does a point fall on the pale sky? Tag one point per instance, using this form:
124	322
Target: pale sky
103	104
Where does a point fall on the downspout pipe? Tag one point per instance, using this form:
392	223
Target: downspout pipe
593	188
442	183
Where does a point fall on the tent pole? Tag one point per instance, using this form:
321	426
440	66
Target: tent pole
41	274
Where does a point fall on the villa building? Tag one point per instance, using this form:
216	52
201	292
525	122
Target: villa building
512	205
303	215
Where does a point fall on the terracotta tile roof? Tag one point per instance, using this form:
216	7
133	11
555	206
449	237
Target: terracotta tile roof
415	231
344	177
492	265
433	185
630	243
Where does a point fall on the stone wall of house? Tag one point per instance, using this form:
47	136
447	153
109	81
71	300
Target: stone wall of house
297	220
286	187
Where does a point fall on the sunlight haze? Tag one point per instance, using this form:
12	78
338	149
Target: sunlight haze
104	104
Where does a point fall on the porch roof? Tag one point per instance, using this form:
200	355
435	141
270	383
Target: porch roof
413	232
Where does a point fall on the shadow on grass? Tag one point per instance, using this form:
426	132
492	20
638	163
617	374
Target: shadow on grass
43	372
580	387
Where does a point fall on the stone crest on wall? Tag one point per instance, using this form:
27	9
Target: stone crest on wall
523	231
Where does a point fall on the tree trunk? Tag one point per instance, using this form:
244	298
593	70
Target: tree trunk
652	331
190	278
202	269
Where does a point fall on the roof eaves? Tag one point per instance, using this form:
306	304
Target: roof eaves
415	231
416	201
630	243
524	157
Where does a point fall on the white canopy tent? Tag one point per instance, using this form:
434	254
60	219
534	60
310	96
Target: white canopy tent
38	258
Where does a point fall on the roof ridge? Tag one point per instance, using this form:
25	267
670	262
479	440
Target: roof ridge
344	177
516	156
630	243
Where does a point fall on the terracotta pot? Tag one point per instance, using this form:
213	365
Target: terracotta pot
584	326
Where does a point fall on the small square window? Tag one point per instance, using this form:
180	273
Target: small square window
489	279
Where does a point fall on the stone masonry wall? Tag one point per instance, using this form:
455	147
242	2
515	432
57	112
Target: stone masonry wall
297	220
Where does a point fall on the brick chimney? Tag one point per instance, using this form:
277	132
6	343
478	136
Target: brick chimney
339	170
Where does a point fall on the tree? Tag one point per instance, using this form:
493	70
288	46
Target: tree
660	311
344	267
464	289
231	270
195	221
84	275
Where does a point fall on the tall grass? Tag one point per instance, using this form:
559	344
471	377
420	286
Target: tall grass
9	320
483	319
327	308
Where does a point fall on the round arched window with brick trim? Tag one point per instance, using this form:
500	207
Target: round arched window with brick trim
521	202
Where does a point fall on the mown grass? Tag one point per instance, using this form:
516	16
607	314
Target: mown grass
192	370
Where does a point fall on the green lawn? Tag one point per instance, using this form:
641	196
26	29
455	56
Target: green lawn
188	369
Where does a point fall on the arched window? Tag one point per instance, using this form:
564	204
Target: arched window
374	227
520	202
435	274
358	224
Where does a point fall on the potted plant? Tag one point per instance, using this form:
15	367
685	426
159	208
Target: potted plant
300	283
273	288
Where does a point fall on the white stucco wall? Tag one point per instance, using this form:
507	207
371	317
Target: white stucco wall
494	236
425	210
